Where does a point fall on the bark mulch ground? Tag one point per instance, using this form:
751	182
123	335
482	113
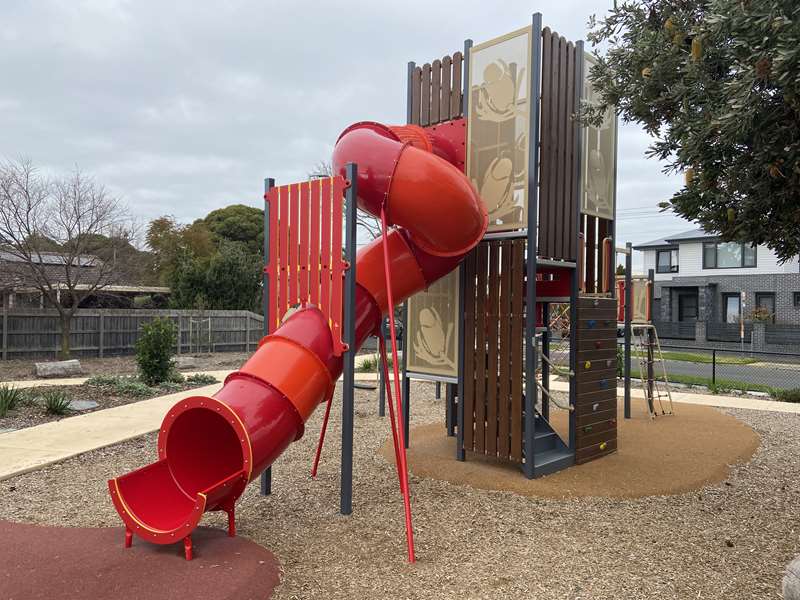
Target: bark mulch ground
731	539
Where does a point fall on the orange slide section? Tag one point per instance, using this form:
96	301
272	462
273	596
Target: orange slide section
210	448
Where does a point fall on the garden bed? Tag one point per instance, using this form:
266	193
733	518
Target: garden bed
38	405
728	540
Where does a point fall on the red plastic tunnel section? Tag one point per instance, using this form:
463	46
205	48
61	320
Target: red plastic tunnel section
210	448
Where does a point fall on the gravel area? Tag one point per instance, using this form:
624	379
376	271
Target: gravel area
31	411
730	540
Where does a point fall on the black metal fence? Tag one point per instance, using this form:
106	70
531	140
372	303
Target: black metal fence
725	371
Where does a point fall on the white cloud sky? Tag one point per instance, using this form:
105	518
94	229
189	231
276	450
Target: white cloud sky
182	107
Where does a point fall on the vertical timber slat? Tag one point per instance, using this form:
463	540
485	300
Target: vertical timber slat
492	322
436	90
517	344
444	96
425	99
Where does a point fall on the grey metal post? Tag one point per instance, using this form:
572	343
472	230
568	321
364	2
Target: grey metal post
450	399
349	335
532	250
100	332
462	285
628	320
545	365
405	390
438	390
269	183
714	366
381	388
576	285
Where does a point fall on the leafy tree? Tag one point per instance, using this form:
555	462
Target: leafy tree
171	243
229	280
237	223
715	82
69	237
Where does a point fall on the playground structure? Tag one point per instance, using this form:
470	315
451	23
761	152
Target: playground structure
495	204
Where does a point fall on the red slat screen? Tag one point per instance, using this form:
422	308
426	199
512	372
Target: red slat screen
306	257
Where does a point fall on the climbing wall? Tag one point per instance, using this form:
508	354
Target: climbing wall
596	379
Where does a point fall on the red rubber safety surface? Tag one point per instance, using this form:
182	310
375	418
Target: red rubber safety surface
79	563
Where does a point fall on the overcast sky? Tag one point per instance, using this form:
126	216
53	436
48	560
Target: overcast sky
181	107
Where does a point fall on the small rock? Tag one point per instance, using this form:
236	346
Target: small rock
60	368
791	582
185	362
729	543
758	394
79	405
12	488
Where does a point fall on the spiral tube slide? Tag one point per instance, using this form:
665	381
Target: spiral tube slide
210	448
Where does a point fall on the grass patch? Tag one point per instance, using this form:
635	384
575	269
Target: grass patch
56	402
10	398
788	395
721	386
370	364
703	358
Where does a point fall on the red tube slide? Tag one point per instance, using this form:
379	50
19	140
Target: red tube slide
210	448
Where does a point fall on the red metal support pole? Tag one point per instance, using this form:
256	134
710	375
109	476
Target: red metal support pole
398	397
385	367
322	436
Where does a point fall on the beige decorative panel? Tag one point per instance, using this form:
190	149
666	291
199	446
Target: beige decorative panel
433	329
498	125
639	301
598	170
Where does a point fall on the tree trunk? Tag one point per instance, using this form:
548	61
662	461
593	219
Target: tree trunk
66	324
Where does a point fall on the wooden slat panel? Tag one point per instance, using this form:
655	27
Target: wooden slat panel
546	156
416	99
593	452
592	437
591	255
425	97
436	90
444	95
598	406
569	241
492	323
506	352
592	418
480	354
584	344
469	351
455	95
563	183
598	385
517	345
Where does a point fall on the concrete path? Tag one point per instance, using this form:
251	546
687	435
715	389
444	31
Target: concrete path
35	447
34	383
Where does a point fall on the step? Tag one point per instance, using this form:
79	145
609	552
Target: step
544	440
552	461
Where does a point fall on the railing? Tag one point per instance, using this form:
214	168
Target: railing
675	330
728	332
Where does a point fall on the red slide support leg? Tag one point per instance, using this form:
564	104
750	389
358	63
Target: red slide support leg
384	363
187	547
128	538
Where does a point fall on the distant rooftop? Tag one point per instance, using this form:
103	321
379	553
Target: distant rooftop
50	258
671	240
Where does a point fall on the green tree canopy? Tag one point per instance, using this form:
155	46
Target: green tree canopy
240	224
716	83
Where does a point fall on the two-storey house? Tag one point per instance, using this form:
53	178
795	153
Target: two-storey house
698	277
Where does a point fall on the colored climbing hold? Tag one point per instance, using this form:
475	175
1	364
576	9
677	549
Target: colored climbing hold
603	445
608	362
595	406
587	429
597	344
591	323
587	365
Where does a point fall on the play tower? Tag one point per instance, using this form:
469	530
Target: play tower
495	204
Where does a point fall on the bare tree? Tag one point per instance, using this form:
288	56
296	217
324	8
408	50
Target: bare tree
64	235
368	224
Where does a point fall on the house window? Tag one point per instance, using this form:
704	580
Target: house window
731	308
796	299
766	302
667	261
728	255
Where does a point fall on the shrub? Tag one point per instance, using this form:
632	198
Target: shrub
10	397
176	377
103	380
788	395
201	379
130	386
56	402
154	351
169	386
